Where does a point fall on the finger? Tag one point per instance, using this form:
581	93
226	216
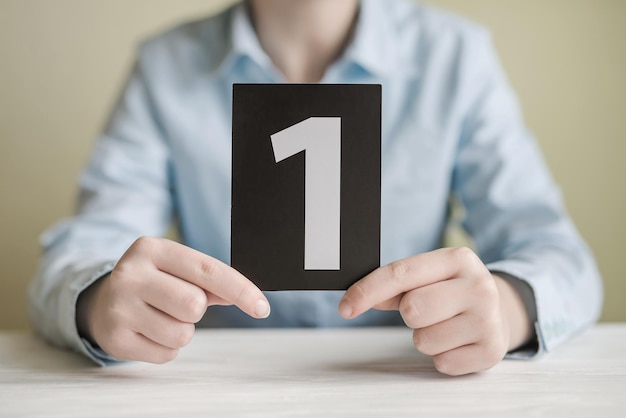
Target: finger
161	328
208	273
132	346
434	303
180	299
446	335
401	276
468	359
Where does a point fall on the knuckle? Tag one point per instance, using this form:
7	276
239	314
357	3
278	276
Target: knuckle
480	288
443	365
494	352
485	325
195	304
489	356
422	342
144	244
417	340
357	294
359	290
208	267
449	364
399	270
123	270
464	256
410	311
486	288
165	356
184	334
138	253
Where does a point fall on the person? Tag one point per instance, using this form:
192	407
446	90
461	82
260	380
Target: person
111	287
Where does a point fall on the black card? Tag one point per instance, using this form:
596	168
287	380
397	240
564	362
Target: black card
306	184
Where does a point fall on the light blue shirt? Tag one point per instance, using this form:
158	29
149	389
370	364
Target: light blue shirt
451	128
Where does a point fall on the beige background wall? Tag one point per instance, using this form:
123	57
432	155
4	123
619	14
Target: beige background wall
63	61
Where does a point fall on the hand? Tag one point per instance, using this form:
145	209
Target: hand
462	315
146	308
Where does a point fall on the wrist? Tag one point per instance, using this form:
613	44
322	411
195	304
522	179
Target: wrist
516	320
84	306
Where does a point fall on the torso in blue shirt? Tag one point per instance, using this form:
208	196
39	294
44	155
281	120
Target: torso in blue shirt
451	127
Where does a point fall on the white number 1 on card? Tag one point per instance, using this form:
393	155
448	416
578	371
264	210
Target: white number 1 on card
320	139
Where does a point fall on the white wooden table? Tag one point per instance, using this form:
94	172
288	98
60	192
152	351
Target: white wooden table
292	373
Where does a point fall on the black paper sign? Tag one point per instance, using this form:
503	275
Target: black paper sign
306	184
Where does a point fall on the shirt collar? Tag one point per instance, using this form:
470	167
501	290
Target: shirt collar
243	42
244	39
372	44
370	47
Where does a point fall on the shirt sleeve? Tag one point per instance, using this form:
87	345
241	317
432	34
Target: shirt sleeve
514	211
125	193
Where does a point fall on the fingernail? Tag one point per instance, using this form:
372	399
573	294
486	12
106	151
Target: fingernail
345	309
262	309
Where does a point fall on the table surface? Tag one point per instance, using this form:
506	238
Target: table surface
298	372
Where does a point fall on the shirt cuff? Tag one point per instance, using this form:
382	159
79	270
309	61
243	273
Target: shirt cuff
69	300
